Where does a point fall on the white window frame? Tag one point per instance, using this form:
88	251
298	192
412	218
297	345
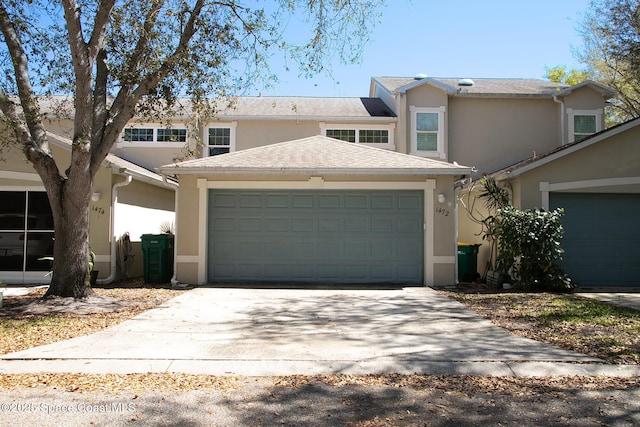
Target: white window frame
155	143
390	128
572	113
440	152
232	136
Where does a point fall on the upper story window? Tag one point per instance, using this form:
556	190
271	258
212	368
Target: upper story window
221	139
172	135
149	134
138	135
375	135
583	123
427	134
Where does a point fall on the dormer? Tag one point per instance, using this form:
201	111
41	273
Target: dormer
583	110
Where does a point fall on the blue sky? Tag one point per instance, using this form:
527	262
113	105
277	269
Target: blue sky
453	38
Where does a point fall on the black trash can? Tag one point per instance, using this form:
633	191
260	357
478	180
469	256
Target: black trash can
468	262
157	250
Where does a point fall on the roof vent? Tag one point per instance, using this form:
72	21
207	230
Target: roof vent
465	82
420	76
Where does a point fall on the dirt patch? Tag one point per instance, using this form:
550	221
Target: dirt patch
30	320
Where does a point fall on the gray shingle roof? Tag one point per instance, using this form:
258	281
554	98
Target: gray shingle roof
480	87
292	107
316	154
114	162
267	108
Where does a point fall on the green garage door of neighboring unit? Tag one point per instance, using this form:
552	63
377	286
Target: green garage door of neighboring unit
601	237
315	236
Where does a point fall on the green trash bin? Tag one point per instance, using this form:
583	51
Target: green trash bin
468	262
157	251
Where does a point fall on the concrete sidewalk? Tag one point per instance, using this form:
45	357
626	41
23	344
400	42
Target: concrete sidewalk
259	332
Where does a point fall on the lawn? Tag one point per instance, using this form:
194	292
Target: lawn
569	321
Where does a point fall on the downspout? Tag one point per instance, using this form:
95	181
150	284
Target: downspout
457	186
113	255
562	119
174	187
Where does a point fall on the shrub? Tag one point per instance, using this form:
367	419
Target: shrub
529	246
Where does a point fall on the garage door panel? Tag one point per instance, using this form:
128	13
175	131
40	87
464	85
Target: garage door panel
601	237
321	236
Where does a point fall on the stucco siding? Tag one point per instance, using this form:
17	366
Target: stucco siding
600	161
493	133
258	133
187	214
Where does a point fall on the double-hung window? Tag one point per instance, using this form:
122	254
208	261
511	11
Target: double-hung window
427	131
583	123
220	139
380	136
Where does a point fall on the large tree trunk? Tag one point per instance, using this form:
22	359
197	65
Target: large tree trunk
69	201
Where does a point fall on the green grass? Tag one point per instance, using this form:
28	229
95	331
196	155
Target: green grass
581	324
579	311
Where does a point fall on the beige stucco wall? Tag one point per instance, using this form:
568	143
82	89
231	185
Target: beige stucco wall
257	133
490	134
601	161
191	237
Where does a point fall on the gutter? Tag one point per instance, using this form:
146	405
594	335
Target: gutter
315	171
174	187
112	255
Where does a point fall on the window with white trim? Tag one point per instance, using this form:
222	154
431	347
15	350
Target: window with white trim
427	131
374	135
583	123
220	139
150	134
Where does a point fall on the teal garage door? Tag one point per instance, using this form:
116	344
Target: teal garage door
601	237
346	237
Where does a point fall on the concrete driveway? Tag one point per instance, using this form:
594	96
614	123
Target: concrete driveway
225	331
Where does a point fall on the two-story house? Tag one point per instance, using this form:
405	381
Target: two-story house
288	202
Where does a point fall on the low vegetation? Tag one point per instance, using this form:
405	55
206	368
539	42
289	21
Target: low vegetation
566	320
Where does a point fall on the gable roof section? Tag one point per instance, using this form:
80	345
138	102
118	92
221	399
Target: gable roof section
497	87
117	164
315	155
606	92
542	159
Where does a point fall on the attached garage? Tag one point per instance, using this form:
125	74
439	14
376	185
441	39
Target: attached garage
597	182
602	237
316	210
350	236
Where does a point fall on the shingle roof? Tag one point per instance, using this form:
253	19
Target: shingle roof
267	107
480	87
292	107
114	162
555	153
316	154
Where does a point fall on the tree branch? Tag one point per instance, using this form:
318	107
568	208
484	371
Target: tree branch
35	138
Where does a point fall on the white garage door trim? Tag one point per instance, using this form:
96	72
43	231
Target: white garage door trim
546	187
318	183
